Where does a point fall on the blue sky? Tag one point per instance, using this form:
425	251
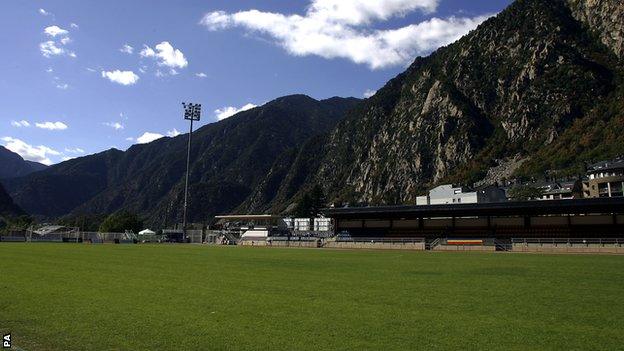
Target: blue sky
69	88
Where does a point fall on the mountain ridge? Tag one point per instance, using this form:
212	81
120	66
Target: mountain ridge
228	158
541	83
13	165
511	86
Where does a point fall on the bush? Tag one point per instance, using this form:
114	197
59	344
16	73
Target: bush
121	221
525	192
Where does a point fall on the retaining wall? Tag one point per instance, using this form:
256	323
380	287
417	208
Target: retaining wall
574	248
464	248
252	243
374	245
293	243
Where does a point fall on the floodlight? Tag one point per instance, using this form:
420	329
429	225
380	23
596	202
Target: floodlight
192	112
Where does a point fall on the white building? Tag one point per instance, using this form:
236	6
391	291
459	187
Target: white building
448	194
322	224
302	224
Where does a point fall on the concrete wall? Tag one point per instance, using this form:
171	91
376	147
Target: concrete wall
252	243
283	243
563	248
464	248
375	245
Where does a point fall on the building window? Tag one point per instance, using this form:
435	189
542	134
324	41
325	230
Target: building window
616	189
603	189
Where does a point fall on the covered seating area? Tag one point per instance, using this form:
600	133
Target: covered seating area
576	218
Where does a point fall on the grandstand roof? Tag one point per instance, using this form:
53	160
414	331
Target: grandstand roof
248	217
519	208
49	229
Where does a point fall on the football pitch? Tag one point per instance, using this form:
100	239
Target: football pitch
192	297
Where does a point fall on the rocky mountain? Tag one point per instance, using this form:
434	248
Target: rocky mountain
229	159
538	87
13	165
541	81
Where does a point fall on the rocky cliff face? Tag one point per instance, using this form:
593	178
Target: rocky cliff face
540	86
511	87
605	18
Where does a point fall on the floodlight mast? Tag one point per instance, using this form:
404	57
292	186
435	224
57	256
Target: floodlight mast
192	112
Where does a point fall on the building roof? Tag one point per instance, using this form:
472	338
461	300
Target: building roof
519	208
49	229
618	163
247	217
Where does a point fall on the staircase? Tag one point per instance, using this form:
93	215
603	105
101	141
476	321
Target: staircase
230	236
503	245
431	245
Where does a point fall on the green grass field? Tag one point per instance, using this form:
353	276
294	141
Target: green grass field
179	297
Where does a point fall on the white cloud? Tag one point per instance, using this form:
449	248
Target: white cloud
114	125
230	111
341	29
20	124
74	25
76	150
54	46
201	75
127	49
166	55
29	152
55	31
121	77
49	70
148	137
91	69
147	52
130	139
368	93
216	20
173	133
44	12
67	158
49	48
63	86
52	125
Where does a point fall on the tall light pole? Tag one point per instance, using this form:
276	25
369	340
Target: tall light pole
192	112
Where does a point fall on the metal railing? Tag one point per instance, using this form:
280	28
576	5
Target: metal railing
381	240
569	241
432	244
503	245
292	238
12	238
